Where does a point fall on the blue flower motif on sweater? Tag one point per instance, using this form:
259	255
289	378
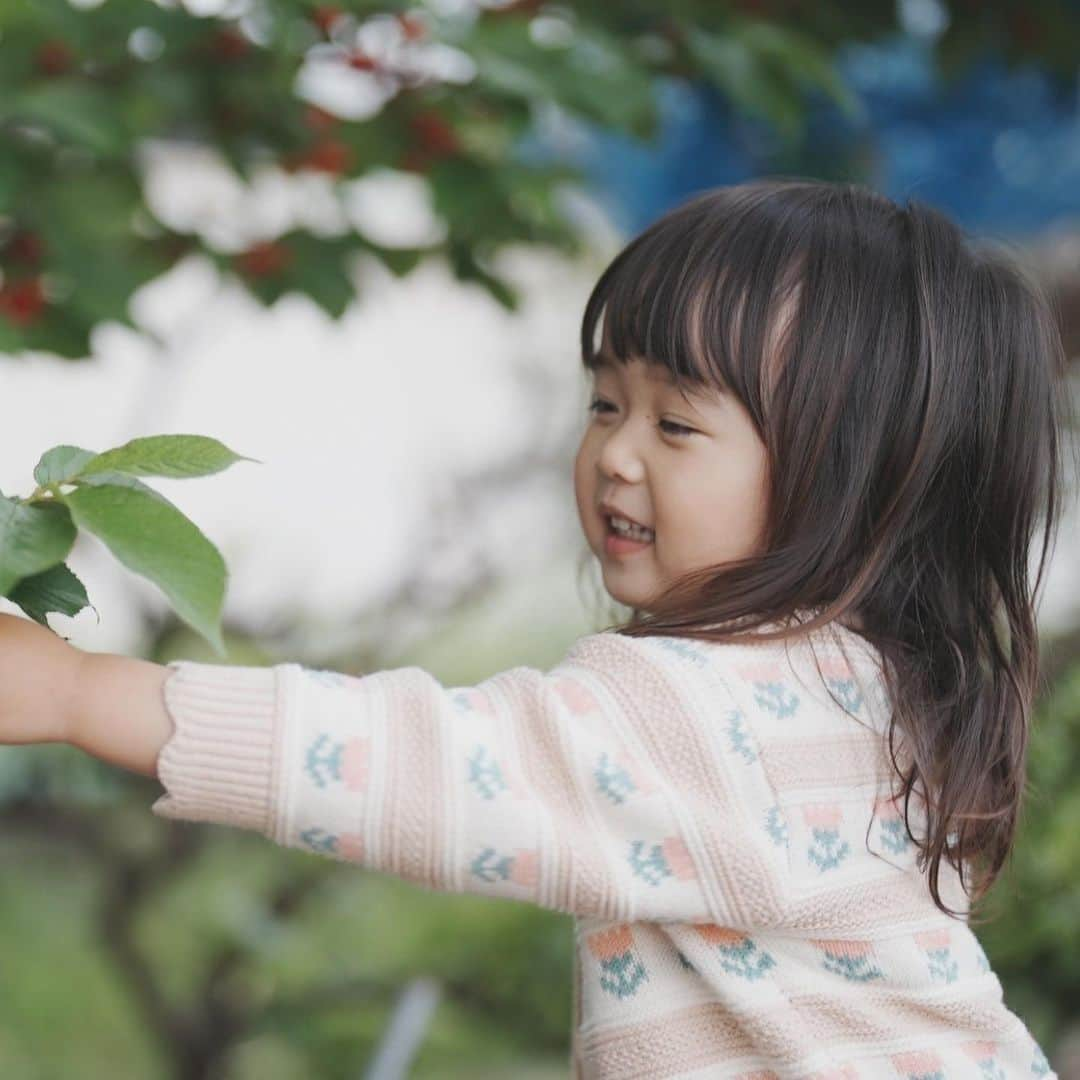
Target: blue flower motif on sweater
746	960
484	773
771	691
847	692
894	835
777	698
322	762
942	967
622	975
827	851
621	970
612	779
740	737
776	826
652	867
739	954
991	1069
319	840
682	647
490	866
852	960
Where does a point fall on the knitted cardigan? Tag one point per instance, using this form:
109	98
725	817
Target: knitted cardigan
717	818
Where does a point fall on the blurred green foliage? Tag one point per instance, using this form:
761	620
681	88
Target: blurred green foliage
1034	939
85	90
64	1013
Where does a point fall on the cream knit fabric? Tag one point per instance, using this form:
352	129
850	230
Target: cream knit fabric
716	818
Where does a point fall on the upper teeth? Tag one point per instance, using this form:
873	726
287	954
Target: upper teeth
629	528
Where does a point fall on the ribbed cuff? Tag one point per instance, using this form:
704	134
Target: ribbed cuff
221	763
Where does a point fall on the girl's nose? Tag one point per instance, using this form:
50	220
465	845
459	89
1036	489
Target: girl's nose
619	458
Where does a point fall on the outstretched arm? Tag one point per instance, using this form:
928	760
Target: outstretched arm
39	673
111	707
602	787
117	710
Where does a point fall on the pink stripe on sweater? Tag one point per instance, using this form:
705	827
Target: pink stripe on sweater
414	781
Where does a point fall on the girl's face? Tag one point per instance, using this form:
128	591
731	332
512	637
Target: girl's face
693	470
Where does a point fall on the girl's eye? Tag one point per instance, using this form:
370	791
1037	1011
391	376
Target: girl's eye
668	426
677	429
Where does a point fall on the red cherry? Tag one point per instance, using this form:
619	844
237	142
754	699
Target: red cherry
172	246
434	134
319	119
228	115
330	156
263	259
361	61
411	27
55	57
324	17
25	247
415	161
22	301
230	44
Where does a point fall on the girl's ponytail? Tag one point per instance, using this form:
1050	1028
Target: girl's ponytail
965	649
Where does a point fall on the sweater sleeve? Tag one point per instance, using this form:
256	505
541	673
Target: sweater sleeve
598	788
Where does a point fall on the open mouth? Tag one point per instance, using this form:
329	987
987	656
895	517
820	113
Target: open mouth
622	534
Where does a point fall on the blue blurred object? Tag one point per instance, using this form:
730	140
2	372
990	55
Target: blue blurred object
997	150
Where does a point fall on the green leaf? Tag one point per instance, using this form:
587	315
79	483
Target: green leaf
802	60
60	463
76	111
123	480
11	338
736	69
166	455
154	539
55	589
465	267
593	77
33	537
62	331
400	261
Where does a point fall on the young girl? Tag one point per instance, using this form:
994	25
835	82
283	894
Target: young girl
822	431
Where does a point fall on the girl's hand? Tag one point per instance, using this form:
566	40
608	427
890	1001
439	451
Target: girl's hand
38	674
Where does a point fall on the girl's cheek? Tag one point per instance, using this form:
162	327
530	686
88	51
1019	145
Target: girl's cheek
583	494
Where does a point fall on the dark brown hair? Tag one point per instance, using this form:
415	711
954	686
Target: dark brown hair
907	382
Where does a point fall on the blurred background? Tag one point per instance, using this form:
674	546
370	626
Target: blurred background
354	241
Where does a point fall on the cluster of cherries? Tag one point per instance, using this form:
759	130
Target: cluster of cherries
432	138
22	297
